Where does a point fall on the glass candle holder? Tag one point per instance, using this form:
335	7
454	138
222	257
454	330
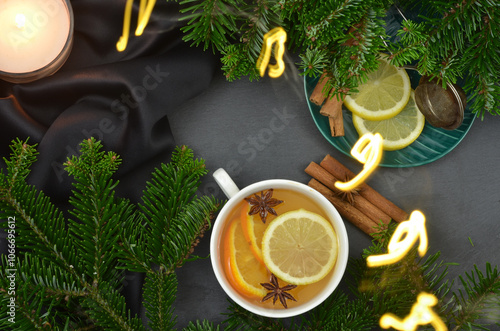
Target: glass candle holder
36	37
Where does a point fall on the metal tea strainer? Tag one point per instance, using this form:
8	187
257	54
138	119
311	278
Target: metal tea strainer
441	107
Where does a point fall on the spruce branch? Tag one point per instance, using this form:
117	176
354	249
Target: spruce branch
64	284
478	300
210	22
201	326
174	217
239	318
70	270
236	63
38	222
338	312
255	19
30	302
160	289
313	62
57	282
22	157
95	211
107	308
456	41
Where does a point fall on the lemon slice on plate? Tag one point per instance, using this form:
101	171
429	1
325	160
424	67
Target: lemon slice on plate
384	94
300	247
398	131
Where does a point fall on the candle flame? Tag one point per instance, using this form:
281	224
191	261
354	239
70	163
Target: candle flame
20	21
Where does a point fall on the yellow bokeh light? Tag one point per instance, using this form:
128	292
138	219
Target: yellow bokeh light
367	150
145	10
420	314
406	235
20	21
276	36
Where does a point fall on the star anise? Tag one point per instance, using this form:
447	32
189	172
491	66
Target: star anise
348	195
277	292
263	204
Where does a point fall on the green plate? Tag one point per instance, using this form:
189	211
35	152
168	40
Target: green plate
432	144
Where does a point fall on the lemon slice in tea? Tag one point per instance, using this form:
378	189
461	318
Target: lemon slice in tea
243	269
300	247
253	230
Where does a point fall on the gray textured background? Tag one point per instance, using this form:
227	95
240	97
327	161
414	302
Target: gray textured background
262	130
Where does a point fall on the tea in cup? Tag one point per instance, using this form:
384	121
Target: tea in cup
278	247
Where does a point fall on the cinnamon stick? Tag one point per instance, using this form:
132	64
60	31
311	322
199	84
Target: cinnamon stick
345	209
337	124
359	202
332	106
333	109
338	170
356	36
317	96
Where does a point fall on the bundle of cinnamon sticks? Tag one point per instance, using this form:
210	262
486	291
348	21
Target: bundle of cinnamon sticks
332	108
364	207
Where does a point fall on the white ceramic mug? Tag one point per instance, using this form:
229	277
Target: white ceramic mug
235	196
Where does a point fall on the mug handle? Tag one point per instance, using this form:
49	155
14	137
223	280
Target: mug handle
225	183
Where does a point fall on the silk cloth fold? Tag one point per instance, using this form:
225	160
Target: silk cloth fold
122	99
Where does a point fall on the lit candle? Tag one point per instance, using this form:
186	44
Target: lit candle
35	38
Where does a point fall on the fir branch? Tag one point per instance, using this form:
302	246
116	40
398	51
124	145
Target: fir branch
171	187
55	280
236	63
69	272
29	307
453	41
353	52
255	20
479	299
340	313
22	157
95	211
456	41
174	217
38	223
132	245
201	326
239	318
107	308
56	291
361	57
259	18
394	288
171	242
160	289
313	62
211	22
327	22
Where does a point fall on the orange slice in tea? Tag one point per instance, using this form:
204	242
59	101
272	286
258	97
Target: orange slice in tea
253	230
244	271
300	247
